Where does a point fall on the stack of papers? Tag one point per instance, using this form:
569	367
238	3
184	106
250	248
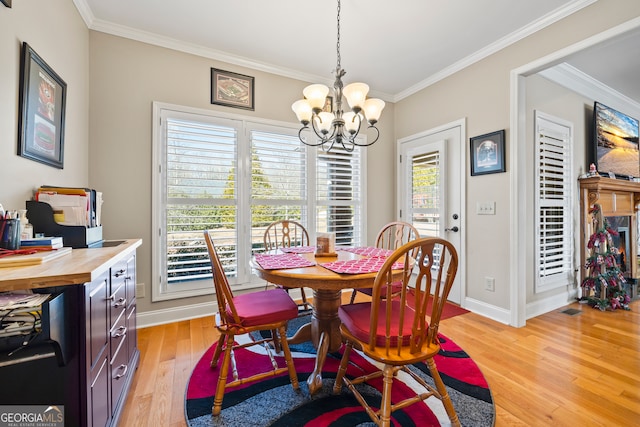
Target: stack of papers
20	313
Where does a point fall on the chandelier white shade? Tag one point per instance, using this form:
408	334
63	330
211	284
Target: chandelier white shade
337	127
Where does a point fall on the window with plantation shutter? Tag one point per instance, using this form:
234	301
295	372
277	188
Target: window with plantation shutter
235	176
554	202
278	180
339	195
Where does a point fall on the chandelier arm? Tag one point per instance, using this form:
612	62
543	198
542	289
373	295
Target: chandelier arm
304	140
372	142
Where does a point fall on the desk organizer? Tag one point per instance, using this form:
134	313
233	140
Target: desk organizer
40	215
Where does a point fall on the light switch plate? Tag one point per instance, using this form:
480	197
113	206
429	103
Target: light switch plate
486	208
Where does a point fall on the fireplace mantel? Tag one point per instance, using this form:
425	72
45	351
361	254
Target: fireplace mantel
616	197
607	192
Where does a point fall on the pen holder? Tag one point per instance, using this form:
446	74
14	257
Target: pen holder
10	234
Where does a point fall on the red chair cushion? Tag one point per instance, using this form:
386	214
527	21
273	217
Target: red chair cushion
264	307
356	318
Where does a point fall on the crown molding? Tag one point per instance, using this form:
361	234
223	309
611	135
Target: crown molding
573	79
504	42
169	43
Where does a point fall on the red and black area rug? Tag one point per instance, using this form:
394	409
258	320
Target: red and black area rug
273	402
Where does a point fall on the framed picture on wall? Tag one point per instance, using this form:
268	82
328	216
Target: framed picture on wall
42	106
487	153
232	89
6	2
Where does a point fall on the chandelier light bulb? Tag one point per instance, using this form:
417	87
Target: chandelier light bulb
316	95
351	122
373	109
303	111
356	94
324	122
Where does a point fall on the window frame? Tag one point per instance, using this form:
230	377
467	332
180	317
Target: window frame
245	280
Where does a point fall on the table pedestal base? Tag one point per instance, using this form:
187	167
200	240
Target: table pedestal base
323	331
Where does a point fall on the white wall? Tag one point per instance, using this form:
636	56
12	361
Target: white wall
481	94
126	77
54	29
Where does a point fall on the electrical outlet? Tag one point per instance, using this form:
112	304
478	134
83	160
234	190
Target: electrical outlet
490	284
139	290
486	208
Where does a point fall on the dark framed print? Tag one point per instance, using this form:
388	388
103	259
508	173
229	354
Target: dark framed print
232	89
6	2
487	153
42	103
328	105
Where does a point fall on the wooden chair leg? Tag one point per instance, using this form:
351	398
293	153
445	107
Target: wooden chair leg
337	385
217	351
353	296
446	399
287	357
276	341
222	377
385	404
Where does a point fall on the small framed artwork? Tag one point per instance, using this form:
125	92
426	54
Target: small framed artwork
487	153
328	105
6	2
42	107
232	89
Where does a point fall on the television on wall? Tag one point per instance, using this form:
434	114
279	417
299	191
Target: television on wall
615	142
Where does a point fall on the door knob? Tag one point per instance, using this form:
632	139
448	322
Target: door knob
454	229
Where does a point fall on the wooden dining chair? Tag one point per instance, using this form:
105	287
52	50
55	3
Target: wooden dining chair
391	236
396	332
285	234
263	310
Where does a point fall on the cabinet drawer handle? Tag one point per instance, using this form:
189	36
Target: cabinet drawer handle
124	372
120	332
121	302
119	273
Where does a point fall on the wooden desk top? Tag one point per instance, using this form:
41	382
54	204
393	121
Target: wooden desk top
80	266
317	277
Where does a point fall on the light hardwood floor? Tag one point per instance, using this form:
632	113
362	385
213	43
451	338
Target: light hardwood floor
558	370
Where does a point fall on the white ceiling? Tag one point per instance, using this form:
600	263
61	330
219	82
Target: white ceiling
396	47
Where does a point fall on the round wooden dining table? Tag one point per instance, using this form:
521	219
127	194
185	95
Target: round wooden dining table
324	329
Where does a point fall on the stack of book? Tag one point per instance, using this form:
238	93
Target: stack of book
42	243
20	313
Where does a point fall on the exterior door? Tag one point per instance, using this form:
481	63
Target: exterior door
431	190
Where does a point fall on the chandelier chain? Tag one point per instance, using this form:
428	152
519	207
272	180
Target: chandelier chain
338	42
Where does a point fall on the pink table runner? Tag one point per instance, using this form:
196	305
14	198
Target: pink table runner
369	251
282	261
359	266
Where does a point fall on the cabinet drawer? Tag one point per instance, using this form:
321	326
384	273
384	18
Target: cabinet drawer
118	333
119	372
118	302
118	274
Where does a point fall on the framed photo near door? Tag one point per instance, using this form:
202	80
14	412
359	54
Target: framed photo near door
42	103
487	153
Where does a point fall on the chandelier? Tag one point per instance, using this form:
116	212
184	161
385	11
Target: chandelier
337	128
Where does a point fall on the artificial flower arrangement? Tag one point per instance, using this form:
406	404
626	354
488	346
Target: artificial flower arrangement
604	285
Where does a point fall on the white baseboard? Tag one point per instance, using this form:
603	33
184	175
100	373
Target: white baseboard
487	310
193	311
551	303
